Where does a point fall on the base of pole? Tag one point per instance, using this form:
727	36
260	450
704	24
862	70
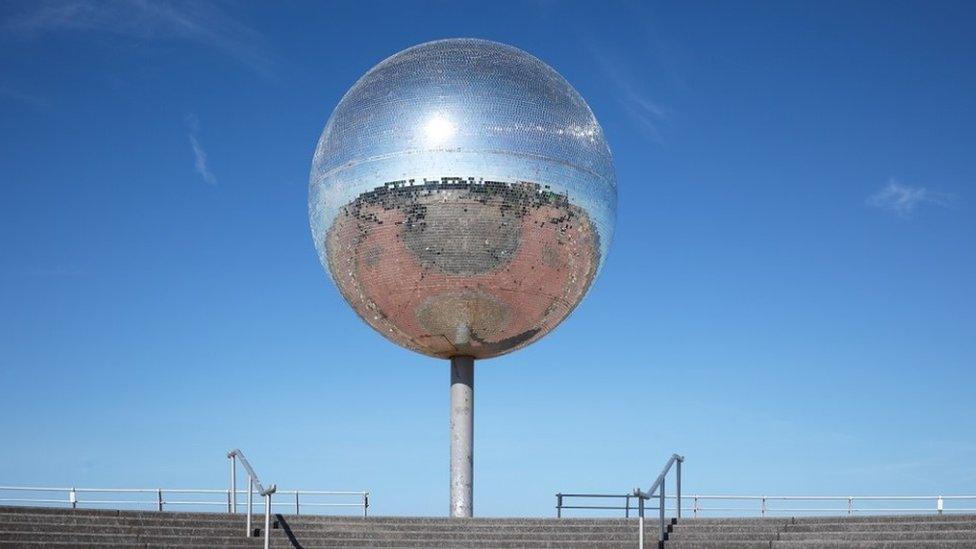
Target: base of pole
462	436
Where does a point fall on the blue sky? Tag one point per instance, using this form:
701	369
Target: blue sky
789	300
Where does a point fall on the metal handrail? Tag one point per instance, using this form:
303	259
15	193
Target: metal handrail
657	490
252	482
848	506
659	483
940	504
159	499
658	486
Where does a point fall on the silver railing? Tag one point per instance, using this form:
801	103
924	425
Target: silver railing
843	505
656	491
658	486
252	482
162	499
725	505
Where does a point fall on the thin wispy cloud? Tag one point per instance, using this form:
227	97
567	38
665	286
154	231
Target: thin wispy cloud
199	155
904	200
646	113
201	22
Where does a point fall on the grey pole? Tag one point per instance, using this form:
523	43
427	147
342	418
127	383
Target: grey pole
267	521
232	503
462	435
250	504
678	489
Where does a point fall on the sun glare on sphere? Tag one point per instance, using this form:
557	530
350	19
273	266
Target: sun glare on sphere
438	129
447	208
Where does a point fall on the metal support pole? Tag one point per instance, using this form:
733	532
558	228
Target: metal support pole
73	498
661	534
559	506
250	504
640	522
762	509
159	499
462	435
365	503
267	521
627	507
678	488
233	484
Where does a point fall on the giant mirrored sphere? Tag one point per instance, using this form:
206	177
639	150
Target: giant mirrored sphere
462	198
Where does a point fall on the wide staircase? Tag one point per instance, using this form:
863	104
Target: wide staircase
48	527
34	527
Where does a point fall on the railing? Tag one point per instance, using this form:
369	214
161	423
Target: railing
161	499
252	482
845	505
656	491
625	508
767	505
658	487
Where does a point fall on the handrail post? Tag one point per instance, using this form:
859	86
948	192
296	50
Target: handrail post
640	521
296	503
627	507
365	503
694	508
267	521
233	484
73	498
559	506
661	534
762	507
678	489
250	504
938	504
159	499
850	505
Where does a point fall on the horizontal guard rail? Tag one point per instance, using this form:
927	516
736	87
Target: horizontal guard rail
764	505
74	497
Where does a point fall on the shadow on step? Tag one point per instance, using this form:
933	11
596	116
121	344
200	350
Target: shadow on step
281	523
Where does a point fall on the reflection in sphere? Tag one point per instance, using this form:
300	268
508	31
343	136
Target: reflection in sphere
462	197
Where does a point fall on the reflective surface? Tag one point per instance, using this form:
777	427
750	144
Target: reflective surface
462	197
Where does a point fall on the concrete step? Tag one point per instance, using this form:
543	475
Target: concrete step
915	544
819	544
465	535
309	544
827	526
829	519
105	539
880	526
118	527
748	521
715	544
731	527
932	517
157	526
283	541
70	545
934	535
718	536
